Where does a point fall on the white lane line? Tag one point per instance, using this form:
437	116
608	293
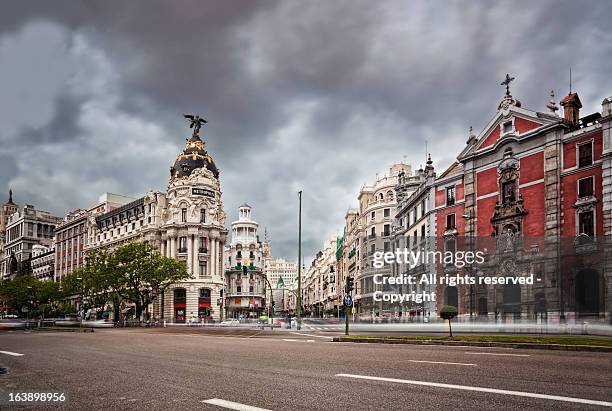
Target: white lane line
497	353
232	405
293	340
311	335
481	389
14	354
443	362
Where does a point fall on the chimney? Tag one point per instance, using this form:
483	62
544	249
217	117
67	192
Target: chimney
571	109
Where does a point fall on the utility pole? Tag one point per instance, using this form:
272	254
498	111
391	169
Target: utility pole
348	302
298	308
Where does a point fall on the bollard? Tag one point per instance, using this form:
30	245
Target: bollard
164	323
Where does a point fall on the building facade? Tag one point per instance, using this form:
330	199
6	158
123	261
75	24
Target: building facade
377	208
246	287
26	228
532	189
6	211
414	229
187	223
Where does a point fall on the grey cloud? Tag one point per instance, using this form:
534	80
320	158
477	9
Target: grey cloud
318	96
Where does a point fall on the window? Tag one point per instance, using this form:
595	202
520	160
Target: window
386	212
450	196
507	127
373	216
387	230
202	270
250	288
585	187
585	154
202	216
423	231
182	244
423	208
203	244
372	249
183	215
586	223
509	192
386	246
239	289
450	222
415	238
373	232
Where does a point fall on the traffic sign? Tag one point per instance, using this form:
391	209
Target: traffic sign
348	300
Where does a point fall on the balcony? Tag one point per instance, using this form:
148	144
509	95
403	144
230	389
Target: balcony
182	250
203	250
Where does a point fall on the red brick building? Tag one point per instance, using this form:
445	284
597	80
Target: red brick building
534	191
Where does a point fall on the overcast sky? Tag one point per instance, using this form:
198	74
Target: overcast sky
312	95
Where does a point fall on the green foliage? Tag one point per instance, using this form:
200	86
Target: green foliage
448	312
28	294
128	272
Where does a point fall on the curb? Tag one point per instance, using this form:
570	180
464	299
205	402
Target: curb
65	330
557	347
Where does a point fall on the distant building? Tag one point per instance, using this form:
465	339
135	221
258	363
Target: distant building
71	236
42	263
26	228
245	282
6	211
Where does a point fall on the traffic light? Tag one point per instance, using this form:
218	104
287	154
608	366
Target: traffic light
350	285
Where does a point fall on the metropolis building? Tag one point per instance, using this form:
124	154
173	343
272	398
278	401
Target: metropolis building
185	223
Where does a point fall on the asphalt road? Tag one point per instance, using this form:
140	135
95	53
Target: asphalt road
179	369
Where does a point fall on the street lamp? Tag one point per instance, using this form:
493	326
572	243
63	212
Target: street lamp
80	280
30	298
298	305
470	218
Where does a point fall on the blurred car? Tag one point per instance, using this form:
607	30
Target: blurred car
229	323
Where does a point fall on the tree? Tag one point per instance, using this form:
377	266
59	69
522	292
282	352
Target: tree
21	292
136	268
448	312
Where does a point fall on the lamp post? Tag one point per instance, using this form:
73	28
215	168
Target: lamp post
80	280
470	218
298	305
30	298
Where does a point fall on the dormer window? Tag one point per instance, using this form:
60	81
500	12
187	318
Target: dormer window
507	127
450	196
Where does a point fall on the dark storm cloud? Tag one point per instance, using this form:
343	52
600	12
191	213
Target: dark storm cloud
318	96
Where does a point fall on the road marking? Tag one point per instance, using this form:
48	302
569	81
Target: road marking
311	335
497	353
481	389
232	405
443	362
14	354
294	340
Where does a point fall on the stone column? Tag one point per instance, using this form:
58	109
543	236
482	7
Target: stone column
162	248
172	247
213	253
190	254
